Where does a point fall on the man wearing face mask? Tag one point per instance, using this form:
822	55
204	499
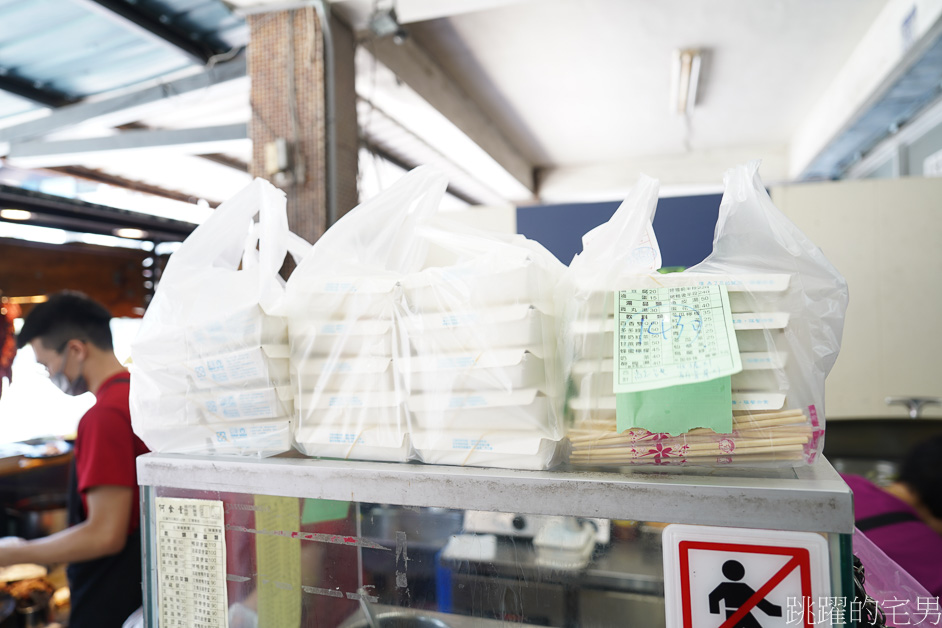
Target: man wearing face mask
71	337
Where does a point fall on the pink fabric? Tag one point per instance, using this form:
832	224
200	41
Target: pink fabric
905	601
913	545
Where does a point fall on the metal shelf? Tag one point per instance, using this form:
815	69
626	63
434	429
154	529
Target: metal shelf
811	498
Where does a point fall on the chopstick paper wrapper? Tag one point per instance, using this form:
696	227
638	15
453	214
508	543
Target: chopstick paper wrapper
756	437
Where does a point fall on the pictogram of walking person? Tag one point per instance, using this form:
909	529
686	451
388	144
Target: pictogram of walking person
734	594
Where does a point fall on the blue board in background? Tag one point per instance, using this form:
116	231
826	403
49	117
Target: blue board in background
684	226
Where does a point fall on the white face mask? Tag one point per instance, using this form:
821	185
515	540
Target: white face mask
60	381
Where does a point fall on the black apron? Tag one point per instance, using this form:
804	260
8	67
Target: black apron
105	591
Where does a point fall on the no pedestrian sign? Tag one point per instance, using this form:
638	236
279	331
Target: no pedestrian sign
740	578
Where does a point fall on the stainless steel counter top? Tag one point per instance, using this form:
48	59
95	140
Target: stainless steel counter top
806	499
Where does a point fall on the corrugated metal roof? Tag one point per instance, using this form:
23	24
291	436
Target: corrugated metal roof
209	21
78	52
73	49
11	105
916	88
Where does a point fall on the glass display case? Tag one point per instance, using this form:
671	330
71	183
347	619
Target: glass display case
328	542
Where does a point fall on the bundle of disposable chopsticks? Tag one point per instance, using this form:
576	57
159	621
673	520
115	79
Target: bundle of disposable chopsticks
757	437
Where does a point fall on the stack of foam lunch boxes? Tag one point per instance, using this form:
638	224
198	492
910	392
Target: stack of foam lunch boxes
230	395
446	365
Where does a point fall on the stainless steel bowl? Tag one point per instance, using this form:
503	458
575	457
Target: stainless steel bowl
36	616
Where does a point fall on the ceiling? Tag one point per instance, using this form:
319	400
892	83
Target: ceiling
549	100
586	82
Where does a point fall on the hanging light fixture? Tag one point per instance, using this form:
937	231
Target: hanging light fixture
128	232
685	75
15	214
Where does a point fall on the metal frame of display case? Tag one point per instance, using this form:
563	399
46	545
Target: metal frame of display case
814	499
809	499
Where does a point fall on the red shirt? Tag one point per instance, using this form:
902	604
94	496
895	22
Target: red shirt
106	447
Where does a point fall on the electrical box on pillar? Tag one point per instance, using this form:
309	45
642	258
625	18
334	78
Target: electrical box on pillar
295	50
278	162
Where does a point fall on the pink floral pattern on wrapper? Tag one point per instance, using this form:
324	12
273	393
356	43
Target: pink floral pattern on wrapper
640	436
659	454
811	447
666	455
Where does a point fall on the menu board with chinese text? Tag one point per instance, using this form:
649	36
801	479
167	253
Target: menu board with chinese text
191	563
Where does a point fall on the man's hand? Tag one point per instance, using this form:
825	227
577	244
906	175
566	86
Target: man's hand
6	543
11	541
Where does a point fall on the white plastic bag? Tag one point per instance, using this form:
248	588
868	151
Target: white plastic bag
753	238
209	370
414	339
615	254
785	307
481	367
